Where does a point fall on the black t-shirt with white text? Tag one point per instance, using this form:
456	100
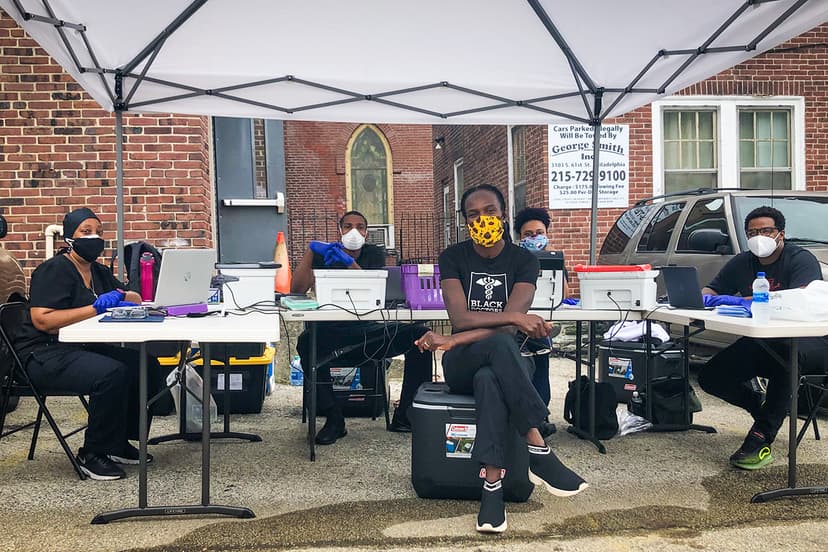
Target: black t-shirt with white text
487	283
796	267
57	284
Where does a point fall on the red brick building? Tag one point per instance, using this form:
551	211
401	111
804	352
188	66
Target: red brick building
763	121
57	153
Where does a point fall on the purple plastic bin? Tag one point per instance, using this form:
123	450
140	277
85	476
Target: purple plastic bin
422	292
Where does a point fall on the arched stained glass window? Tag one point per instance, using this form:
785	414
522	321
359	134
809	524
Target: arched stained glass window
368	175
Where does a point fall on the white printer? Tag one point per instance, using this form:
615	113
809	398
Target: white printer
550	287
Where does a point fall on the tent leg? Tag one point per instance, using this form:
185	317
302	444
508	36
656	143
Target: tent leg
119	189
593	220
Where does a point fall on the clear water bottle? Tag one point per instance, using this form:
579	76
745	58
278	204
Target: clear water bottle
760	309
297	376
636	405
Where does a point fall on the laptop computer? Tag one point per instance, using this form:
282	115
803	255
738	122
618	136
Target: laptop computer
184	278
683	290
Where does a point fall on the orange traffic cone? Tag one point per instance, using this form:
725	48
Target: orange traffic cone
281	283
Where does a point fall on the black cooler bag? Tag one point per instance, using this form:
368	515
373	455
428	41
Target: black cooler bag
443	427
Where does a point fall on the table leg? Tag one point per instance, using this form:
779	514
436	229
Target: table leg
185	435
312	392
205	507
791	489
575	428
205	424
142	426
685	360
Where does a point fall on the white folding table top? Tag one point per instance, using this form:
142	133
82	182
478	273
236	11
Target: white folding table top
254	327
406	315
747	327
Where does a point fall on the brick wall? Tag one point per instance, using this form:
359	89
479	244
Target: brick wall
797	68
315	175
57	153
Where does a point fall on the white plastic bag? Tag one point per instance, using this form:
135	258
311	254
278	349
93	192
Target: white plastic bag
808	304
196	385
635	331
629	422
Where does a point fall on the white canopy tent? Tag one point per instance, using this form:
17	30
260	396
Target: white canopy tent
429	61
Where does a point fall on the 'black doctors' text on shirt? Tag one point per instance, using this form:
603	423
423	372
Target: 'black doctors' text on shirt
487	283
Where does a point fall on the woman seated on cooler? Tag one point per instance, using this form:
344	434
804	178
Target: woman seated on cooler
70	287
488	284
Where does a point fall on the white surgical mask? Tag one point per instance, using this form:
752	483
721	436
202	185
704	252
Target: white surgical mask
762	246
353	240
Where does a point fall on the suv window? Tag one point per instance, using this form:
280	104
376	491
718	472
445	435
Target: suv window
806	217
623	229
657	235
705	229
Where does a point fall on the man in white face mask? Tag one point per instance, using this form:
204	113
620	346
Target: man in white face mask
728	374
379	340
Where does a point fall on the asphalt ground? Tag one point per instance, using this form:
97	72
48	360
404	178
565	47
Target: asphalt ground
651	491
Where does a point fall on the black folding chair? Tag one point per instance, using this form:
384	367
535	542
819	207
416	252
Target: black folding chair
815	387
18	383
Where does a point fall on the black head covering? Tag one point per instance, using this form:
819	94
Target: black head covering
72	220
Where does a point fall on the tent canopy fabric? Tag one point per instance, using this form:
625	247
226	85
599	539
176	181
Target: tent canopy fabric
429	61
424	61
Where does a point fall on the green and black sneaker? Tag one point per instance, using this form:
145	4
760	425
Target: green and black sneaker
754	453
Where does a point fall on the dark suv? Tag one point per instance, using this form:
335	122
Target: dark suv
705	228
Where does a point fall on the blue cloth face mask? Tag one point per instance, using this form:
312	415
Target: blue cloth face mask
535	243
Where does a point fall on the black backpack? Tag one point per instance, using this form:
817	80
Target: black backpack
606	421
132	267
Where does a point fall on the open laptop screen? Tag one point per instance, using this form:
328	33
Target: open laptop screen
185	276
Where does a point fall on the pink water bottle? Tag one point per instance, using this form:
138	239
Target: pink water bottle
147	266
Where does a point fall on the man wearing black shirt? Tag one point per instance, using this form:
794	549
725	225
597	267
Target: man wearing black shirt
488	284
364	341
727	375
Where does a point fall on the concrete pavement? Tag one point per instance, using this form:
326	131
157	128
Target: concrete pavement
651	491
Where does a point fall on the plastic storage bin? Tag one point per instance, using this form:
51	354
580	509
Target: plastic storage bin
614	287
247	382
443	431
421	284
354	290
623	365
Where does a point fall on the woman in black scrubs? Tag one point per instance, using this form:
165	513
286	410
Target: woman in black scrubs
70	287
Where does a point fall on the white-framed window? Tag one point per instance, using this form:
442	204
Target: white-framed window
728	142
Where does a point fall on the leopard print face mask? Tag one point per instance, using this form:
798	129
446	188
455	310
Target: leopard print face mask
487	230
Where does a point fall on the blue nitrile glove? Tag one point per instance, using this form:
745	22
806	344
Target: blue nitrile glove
570	301
336	255
108	300
126	304
716	300
321	248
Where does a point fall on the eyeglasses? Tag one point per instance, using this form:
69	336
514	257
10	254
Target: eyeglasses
545	347
766	231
